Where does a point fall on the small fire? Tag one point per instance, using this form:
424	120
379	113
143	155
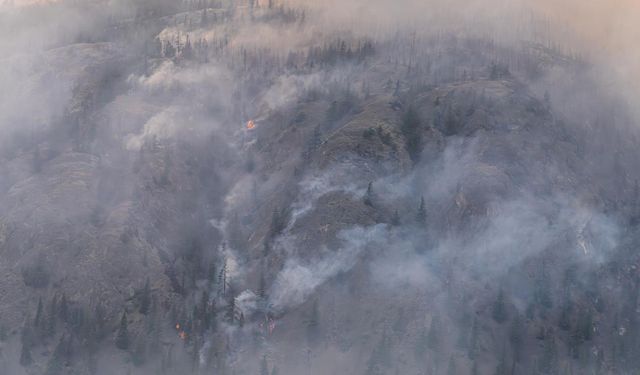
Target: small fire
268	326
182	334
251	125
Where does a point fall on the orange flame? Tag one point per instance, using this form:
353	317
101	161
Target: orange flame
182	334
251	125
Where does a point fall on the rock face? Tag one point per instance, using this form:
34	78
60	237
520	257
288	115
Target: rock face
440	215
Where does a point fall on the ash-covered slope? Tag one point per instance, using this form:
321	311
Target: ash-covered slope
210	187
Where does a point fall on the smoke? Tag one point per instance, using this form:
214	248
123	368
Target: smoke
298	280
490	209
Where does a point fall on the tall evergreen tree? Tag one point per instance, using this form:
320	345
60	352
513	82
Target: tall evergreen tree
501	368
548	361
422	344
145	298
451	370
60	357
63	309
395	219
499	311
421	216
368	196
434	337
411	129
38	321
139	355
231	306
313	323
122	336
516	337
26	339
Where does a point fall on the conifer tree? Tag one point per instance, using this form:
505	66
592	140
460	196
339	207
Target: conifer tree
26	339
451	370
38	319
139	355
313	323
499	312
395	219
60	357
64	309
145	298
368	197
122	336
421	216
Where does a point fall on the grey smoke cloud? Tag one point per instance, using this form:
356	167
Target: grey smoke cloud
298	280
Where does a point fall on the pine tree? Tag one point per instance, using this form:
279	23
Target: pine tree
153	328
499	312
231	306
60	357
203	311
139	355
473	341
266	250
264	367
63	309
52	317
262	292
26	339
212	273
313	323
204	20
187	50
368	197
4	332
433	338
516	339
122	337
421	216
411	129
37	160
548	361
474	368
542	293
195	354
451	370
564	322
38	319
422	344
99	322
278	222
145	298
501	368
395	219
241	320
222	277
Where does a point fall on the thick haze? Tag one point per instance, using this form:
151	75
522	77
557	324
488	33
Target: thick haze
607	30
604	29
317	199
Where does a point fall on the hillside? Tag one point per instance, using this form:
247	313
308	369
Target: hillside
230	188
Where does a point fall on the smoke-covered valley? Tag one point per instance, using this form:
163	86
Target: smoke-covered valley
306	187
